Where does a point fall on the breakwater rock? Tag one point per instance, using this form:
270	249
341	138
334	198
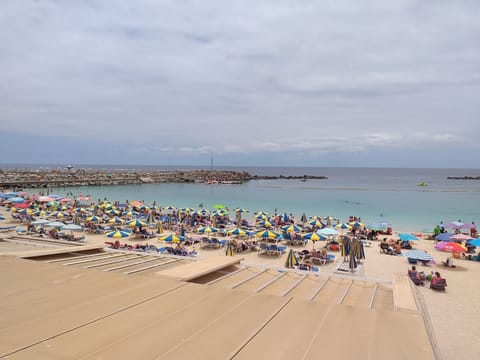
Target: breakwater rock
463	177
27	178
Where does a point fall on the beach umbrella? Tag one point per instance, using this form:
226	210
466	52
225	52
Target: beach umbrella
2	217
230	249
240	210
267	234
116	220
291	228
17	199
40	222
150	219
450	246
136	223
327	231
94	219
236	232
443	237
118	234
314	236
454	225
461	237
207	229
357	224
55	224
317	223
25	211
187	210
260	217
265	223
159	227
58	215
474	242
172	238
291	260
407	237
45	199
219	206
419	255
72	227
343	226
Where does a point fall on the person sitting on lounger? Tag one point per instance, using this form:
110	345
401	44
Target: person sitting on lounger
437	280
415	276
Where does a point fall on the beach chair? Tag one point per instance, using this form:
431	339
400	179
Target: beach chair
440	285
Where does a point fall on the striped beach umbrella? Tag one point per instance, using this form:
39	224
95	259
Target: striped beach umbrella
230	249
207	230
267	234
314	236
343	226
172	238
136	223
159	227
265	223
291	228
237	232
240	210
150	219
116	220
94	219
291	260
118	234
418	255
25	211
317	223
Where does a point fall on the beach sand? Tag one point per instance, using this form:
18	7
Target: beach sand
452	313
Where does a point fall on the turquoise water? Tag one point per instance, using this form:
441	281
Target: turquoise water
373	194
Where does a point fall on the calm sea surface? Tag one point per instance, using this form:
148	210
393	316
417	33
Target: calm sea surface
374	194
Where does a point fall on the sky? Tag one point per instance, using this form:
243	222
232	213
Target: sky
248	83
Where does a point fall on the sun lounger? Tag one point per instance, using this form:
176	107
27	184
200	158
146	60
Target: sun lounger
7	228
440	285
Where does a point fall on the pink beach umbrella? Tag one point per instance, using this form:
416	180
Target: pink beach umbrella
461	237
450	247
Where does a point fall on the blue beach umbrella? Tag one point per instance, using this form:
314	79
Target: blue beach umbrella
443	237
407	237
474	242
116	220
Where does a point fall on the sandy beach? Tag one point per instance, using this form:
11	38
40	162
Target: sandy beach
452	313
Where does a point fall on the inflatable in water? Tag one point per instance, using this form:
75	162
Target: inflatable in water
422	184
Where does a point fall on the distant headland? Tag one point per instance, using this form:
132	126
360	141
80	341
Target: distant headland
68	176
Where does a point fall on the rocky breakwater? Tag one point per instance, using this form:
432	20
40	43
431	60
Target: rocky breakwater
83	177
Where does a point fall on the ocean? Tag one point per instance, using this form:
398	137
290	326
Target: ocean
373	194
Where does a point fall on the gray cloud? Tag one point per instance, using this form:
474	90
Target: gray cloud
194	77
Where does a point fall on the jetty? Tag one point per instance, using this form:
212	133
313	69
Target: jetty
63	177
463	177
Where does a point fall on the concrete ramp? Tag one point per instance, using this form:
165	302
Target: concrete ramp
199	268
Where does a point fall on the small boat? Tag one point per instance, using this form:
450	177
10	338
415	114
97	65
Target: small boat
422	184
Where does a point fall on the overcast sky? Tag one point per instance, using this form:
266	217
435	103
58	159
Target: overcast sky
264	82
